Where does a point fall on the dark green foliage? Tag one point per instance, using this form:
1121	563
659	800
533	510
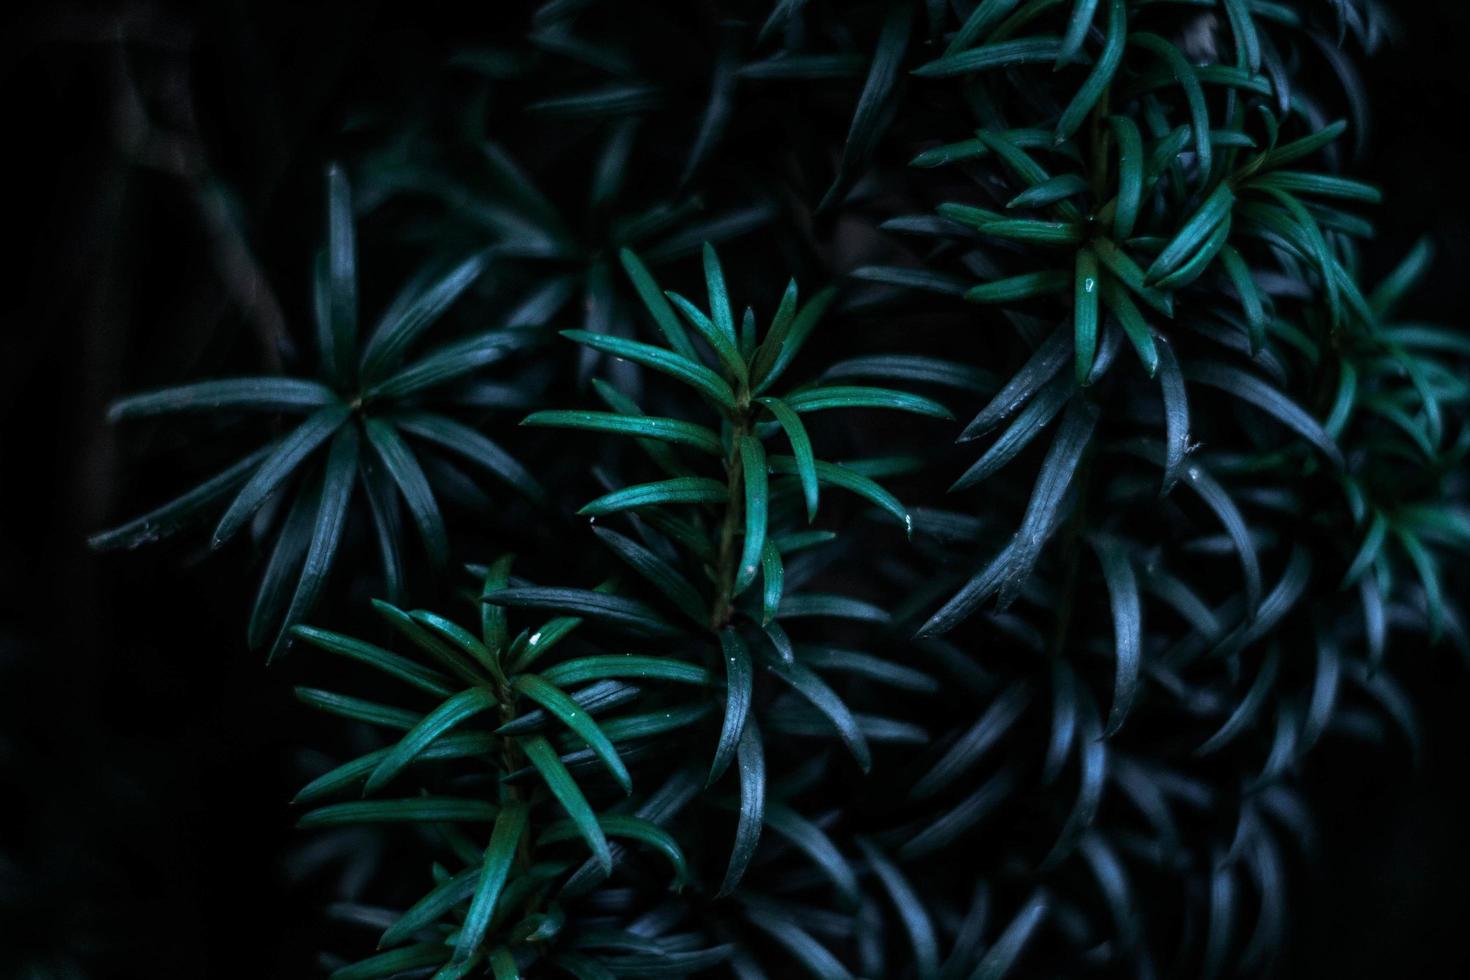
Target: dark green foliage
817	694
367	398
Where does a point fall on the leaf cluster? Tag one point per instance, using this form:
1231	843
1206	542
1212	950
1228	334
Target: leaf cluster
1026	696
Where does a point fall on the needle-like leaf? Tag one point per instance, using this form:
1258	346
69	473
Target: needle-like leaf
1093	757
674	431
773	576
1040	367
554	700
624	665
1194	95
757	506
1085	292
679	490
676	366
455	711
228	394
911	911
725	347
846	479
337	336
636	828
1130	174
1253	391
801	450
569	795
1127	628
419	809
987	57
1176	415
659	573
1057	471
337	482
751	759
461	439
771	347
1014	289
510	825
612	609
403	466
282	461
738	682
785	346
1246	710
815	690
867	120
1139	333
408	319
857	396
1211	212
1008	948
1101	75
971	746
657	304
401	668
1078	24
394	962
719	298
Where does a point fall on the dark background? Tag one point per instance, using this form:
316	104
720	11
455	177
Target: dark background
144	757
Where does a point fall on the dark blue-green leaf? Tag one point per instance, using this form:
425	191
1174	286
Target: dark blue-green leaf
554	700
801	450
604	666
510	824
455	711
659	573
613	609
1122	587
674	431
539	751
751	761
281	462
739	678
407	319
676	366
911	911
424	678
757	504
227	394
816	691
678	490
403	466
471	445
1101	75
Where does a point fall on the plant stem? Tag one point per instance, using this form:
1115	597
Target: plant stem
725	570
510	760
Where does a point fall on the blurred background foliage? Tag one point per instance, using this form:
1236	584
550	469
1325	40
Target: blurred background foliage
164	184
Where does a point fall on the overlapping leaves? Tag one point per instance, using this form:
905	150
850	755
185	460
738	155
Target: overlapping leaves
363	421
497	700
1219	482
